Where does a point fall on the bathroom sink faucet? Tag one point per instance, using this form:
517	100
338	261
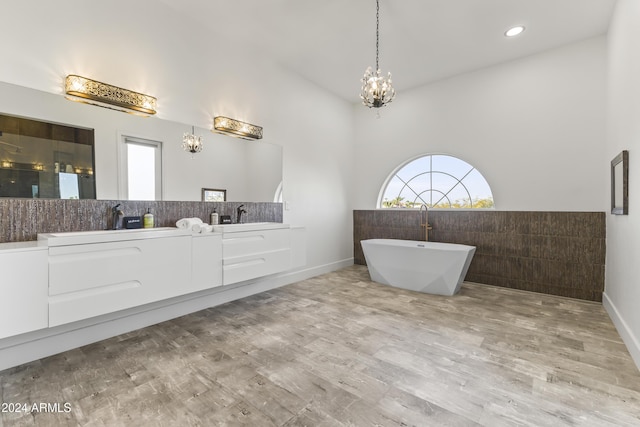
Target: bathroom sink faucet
116	217
424	221
239	213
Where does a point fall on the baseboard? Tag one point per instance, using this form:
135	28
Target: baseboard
631	341
306	273
35	345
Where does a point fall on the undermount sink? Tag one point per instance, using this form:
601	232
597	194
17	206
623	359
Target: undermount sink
98	236
249	226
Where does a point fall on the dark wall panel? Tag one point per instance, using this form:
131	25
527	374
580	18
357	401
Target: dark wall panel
559	253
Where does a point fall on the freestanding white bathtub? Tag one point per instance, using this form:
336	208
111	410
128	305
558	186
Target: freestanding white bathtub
430	267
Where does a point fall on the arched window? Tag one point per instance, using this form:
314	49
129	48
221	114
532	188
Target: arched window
437	180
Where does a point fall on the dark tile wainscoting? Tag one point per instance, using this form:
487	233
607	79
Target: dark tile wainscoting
558	253
23	219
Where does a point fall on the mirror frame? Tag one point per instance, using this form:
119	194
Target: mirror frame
620	207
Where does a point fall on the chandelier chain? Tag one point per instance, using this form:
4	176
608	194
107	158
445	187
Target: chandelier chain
377	33
377	90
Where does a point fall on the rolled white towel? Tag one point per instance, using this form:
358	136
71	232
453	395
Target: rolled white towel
183	223
205	228
188	223
202	228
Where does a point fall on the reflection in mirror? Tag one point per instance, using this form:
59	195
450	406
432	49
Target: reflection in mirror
214	195
248	171
620	184
45	160
141	169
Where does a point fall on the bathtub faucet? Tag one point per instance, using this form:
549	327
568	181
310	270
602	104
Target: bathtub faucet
424	221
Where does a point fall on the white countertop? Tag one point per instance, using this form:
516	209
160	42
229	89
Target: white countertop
22	246
46	240
102	236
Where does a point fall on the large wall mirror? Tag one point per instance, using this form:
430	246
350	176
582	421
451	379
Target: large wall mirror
45	160
86	143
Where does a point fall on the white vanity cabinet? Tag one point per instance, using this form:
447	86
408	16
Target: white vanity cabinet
206	261
23	288
255	253
91	279
68	288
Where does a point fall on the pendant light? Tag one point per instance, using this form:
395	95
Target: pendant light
191	143
377	90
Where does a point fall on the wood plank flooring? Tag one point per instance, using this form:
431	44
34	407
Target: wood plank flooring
339	350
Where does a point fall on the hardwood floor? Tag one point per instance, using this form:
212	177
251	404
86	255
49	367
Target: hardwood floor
339	350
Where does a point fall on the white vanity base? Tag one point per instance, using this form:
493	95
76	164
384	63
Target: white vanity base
19	349
25	348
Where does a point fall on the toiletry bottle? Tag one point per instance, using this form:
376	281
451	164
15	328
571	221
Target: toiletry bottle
148	219
214	217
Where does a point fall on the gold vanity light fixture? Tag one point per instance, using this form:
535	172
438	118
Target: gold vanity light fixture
236	128
78	88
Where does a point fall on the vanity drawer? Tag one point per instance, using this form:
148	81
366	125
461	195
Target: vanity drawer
94	279
246	267
252	242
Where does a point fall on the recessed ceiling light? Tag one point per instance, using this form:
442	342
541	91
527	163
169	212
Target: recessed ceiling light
514	31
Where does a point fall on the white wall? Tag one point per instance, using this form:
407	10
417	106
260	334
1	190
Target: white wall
143	46
318	167
533	127
622	281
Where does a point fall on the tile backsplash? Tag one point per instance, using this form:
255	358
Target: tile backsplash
23	219
559	253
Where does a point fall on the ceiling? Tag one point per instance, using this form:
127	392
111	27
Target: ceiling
331	42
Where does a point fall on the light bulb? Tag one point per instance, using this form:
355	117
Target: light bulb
514	31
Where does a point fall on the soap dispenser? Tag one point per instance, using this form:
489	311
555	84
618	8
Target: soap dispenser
148	219
214	217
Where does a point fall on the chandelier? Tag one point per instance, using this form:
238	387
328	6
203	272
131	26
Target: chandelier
191	143
377	90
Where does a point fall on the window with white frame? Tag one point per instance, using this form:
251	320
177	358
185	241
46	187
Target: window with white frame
438	181
141	169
